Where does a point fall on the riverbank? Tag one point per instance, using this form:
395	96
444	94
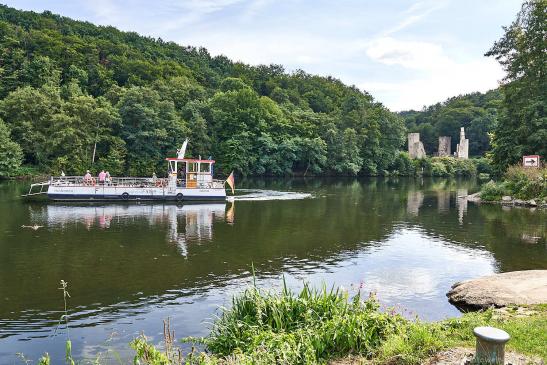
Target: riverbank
508	200
519	186
26	172
336	327
323	326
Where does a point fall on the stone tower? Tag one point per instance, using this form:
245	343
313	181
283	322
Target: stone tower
462	149
444	146
415	147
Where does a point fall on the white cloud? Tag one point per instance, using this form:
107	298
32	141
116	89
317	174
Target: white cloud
107	11
415	13
435	76
409	54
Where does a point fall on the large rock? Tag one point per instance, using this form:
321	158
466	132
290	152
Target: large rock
474	198
500	290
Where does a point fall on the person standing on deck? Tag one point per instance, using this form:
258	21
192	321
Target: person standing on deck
87	178
107	178
102	177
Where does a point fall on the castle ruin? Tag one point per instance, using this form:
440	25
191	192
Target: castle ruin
415	147
444	146
462	149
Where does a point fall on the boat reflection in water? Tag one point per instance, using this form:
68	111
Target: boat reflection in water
185	223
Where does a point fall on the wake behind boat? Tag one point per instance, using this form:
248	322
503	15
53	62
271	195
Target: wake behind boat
188	180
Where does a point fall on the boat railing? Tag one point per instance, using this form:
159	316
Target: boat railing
127	182
112	181
216	184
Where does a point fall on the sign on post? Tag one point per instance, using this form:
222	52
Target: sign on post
530	161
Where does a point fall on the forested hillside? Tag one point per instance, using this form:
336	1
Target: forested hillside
477	112
67	85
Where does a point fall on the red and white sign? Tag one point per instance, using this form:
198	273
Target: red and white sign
530	161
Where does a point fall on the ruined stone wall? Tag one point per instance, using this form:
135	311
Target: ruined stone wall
444	146
415	147
462	149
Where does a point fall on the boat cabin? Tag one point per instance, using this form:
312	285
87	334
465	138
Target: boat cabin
191	173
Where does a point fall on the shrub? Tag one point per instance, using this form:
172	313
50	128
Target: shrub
464	167
526	183
492	191
439	169
403	165
484	176
300	329
483	165
11	155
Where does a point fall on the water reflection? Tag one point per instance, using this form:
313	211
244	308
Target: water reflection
185	223
414	202
130	266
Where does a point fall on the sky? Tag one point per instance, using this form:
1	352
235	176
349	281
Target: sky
406	54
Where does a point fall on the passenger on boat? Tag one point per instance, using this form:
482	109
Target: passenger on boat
88	180
107	178
102	177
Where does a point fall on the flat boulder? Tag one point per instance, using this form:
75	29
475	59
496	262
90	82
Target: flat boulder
501	290
474	198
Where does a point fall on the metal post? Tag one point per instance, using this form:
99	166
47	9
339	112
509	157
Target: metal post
490	347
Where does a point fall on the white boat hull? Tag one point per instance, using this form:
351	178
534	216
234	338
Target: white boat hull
107	193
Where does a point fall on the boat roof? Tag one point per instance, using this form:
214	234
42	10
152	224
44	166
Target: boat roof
188	160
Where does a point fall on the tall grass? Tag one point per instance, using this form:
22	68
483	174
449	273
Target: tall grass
300	328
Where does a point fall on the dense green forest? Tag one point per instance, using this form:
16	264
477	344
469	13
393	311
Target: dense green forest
67	84
75	96
477	112
522	51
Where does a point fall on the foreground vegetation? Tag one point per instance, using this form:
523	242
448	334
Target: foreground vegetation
520	183
317	326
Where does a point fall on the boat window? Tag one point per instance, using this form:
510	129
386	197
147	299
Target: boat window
192	167
205	167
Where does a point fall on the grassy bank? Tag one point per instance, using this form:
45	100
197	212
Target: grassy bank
518	183
320	326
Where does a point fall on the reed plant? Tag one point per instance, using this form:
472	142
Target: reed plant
300	328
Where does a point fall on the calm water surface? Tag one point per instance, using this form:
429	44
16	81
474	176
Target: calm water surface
129	266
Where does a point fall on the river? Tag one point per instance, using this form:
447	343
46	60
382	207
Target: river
129	266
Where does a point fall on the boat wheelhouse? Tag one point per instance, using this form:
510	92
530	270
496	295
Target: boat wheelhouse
187	180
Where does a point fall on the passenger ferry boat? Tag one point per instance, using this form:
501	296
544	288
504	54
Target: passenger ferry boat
188	180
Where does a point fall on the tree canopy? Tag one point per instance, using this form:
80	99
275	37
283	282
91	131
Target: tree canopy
78	96
522	51
476	112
